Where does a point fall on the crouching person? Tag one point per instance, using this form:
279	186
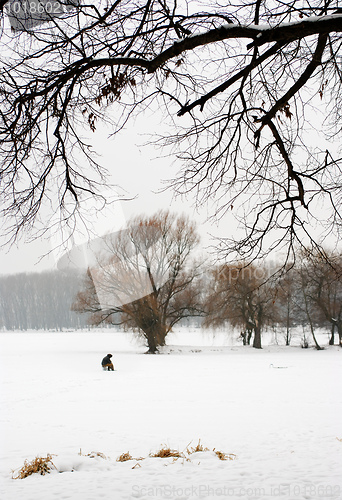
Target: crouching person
107	363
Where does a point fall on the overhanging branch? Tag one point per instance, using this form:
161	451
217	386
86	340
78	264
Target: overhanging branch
224	86
302	80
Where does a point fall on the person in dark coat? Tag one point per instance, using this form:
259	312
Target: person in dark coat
107	363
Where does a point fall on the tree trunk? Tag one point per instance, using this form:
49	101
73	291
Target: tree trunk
155	336
152	347
257	337
339	330
308	315
288	336
318	347
332	338
151	341
160	333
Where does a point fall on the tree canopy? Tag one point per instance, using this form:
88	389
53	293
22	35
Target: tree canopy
245	86
144	278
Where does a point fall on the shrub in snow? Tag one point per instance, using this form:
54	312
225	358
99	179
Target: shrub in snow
199	447
224	456
39	465
124	457
167	453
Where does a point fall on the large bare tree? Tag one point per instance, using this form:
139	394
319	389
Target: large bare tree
243	85
144	279
244	296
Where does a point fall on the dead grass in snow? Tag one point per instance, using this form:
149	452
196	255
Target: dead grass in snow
39	465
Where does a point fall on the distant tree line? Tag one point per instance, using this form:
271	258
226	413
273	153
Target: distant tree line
40	301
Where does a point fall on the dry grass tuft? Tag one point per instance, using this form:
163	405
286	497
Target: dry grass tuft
124	457
219	454
224	456
95	454
167	453
199	447
39	465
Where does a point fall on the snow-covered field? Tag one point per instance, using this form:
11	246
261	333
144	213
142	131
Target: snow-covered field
283	422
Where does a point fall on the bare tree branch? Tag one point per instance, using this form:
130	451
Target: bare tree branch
242	130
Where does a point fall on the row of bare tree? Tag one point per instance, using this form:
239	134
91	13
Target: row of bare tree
146	279
251	297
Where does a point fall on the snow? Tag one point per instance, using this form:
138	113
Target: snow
299	22
267	27
283	425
